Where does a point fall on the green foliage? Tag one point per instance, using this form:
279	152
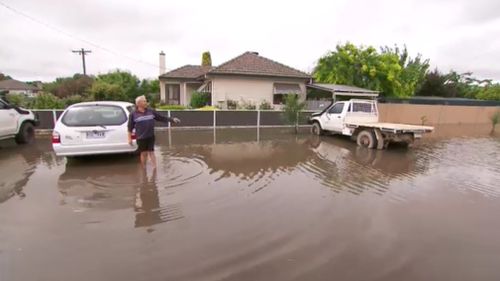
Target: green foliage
72	100
47	101
171	107
390	71
122	84
292	109
18	100
104	91
4	77
490	93
199	100
451	85
265	105
206	59
495	119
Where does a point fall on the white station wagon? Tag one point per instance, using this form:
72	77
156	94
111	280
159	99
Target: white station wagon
91	128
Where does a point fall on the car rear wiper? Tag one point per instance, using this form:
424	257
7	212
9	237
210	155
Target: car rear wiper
102	126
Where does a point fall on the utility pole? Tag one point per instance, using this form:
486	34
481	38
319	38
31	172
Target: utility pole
83	52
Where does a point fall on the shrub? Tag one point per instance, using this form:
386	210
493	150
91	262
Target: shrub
199	100
72	100
17	100
265	105
495	119
171	107
47	101
232	104
248	105
293	108
208	108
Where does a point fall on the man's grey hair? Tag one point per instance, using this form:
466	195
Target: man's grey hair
139	98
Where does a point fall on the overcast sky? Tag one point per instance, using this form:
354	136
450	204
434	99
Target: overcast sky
127	34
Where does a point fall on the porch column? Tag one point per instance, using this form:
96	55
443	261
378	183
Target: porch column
184	96
163	97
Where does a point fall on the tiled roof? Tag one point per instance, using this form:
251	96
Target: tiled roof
187	72
12	84
251	63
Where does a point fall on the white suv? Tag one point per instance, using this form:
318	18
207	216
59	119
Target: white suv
17	123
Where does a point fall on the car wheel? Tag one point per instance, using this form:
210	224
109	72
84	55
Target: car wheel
26	133
316	129
366	138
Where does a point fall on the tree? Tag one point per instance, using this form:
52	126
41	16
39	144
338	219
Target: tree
128	84
490	93
4	77
151	89
102	90
68	86
292	109
451	85
206	59
392	71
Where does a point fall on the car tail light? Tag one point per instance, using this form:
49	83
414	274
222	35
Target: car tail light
134	136
56	138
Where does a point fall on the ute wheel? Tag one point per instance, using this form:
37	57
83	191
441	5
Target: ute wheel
26	133
366	138
316	129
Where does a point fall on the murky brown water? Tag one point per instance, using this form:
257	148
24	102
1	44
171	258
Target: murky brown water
229	207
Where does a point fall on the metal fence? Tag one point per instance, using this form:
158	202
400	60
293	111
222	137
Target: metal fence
439	101
202	119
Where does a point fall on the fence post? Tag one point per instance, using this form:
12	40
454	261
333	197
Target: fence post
54	117
215	119
169	116
258	125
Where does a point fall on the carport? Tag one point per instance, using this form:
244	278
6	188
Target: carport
323	94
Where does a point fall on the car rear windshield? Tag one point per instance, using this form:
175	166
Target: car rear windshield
94	115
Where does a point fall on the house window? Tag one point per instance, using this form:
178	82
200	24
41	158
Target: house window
280	90
173	93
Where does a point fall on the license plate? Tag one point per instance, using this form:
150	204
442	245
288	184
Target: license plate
95	135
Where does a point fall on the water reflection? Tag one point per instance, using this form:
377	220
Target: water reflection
99	182
345	167
148	208
18	163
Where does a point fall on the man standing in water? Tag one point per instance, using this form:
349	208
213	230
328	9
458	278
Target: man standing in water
142	119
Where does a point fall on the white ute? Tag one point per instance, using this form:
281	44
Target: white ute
359	119
17	123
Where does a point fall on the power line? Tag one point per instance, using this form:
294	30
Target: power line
83	52
54	28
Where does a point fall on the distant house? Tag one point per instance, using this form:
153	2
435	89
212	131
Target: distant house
12	86
248	78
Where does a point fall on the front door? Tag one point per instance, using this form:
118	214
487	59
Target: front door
8	120
173	93
333	118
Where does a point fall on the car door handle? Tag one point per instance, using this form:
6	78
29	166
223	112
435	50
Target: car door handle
339	116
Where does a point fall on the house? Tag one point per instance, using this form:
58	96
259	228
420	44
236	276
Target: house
12	86
248	78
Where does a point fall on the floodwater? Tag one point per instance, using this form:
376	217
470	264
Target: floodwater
237	205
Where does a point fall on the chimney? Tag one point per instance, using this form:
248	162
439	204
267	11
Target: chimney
162	63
